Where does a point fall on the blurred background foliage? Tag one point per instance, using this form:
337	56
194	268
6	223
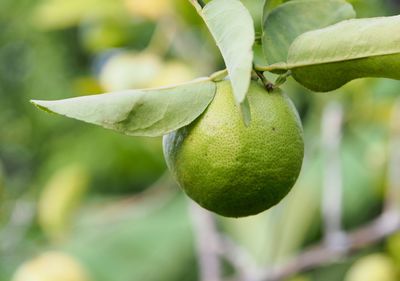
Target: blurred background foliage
106	200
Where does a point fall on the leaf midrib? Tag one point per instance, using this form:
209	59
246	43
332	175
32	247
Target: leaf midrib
299	65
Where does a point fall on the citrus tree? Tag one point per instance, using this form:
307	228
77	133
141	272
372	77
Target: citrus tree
233	140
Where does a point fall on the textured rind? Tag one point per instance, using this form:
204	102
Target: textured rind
234	170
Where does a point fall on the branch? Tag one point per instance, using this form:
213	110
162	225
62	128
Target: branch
321	254
331	127
163	36
16	229
241	260
207	243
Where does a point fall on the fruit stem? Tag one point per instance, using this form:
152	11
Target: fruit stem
268	85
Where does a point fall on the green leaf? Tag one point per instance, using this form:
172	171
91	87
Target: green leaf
245	111
286	22
143	237
270	5
232	27
326	59
152	112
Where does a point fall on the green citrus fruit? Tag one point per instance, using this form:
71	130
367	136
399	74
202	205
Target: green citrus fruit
234	170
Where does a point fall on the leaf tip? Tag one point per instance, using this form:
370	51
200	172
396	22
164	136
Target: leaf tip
245	112
41	105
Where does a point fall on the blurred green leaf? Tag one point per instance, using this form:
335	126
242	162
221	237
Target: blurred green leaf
154	246
286	22
152	112
232	27
325	59
132	165
52	14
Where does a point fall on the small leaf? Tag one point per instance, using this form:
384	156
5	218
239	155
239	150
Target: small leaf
152	112
286	22
326	59
232	27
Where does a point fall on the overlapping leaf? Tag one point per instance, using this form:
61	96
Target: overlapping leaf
152	112
325	59
287	21
269	5
232	27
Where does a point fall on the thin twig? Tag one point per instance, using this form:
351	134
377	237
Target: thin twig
163	36
21	219
268	85
207	243
331	127
245	266
319	255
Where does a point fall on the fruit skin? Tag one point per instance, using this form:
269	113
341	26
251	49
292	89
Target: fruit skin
234	170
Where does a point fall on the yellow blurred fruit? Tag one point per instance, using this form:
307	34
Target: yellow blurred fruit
51	266
150	9
234	170
142	70
173	72
59	200
375	267
130	71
